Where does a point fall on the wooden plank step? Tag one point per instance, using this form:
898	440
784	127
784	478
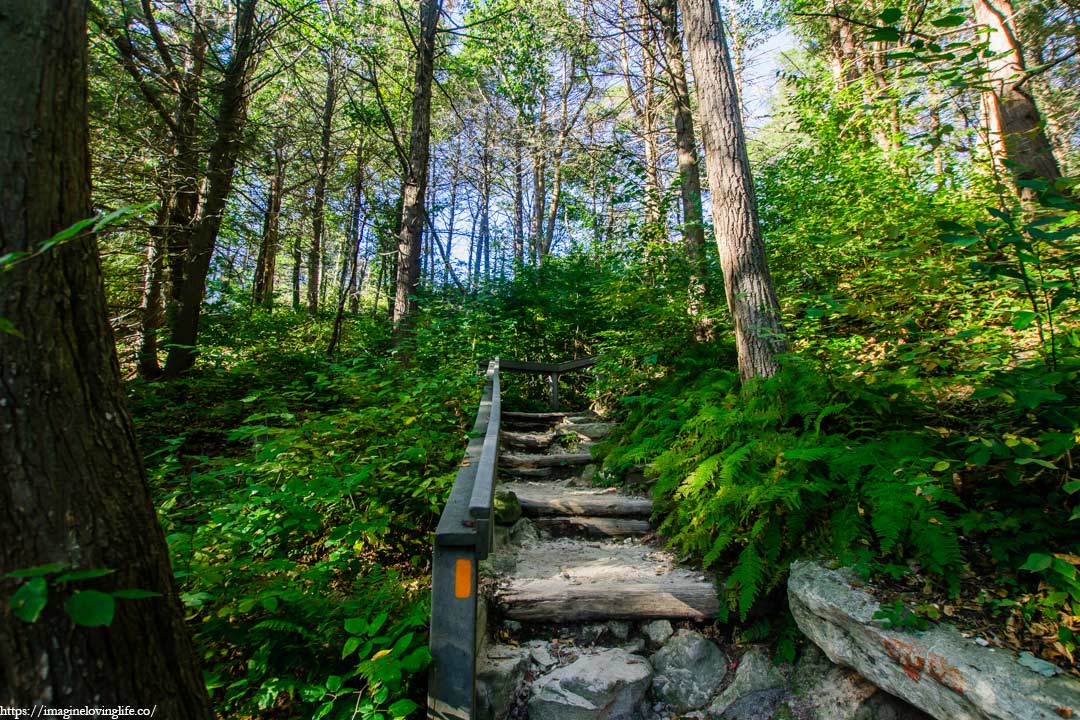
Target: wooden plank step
510	416
553	500
526	472
568	581
593	527
527	441
511	460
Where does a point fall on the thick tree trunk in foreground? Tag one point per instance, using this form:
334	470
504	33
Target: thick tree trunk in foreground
1013	122
751	298
414	189
72	487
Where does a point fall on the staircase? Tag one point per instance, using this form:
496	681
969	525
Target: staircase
581	553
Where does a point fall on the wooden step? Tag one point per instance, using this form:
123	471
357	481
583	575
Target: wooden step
568	581
511	460
511	416
592	527
528	441
540	499
526	473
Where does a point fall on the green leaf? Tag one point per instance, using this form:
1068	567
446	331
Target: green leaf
941	465
37	571
890	15
84	574
323	710
67	234
90	608
884	34
1071	487
1023	320
29	600
333	683
134	594
949	21
1037	562
403	708
350	646
8	327
356	626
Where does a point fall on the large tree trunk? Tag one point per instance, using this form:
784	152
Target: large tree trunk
414	189
685	142
229	127
1013	122
72	487
319	207
266	267
755	310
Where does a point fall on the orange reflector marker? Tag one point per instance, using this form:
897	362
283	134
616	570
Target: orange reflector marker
463	578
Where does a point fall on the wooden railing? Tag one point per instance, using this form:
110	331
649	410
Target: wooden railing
463	538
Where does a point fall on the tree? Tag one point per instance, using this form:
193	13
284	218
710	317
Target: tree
72	487
414	189
1014	125
751	298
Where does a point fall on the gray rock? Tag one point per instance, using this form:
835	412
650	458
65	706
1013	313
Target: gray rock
524	532
512	626
507	507
657	632
619	629
501	538
759	705
593	430
689	669
637	645
591	633
588	474
541	654
499	673
937	671
754	677
605	685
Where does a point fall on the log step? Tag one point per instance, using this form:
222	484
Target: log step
553	500
527	441
593	527
567	581
510	460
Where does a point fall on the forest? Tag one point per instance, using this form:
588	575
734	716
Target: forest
825	252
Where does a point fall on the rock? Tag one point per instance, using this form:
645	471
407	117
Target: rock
541	655
593	430
512	626
755	676
937	671
589	634
619	629
499	673
637	645
605	685
760	705
689	669
507	507
524	532
501	538
657	632
588	474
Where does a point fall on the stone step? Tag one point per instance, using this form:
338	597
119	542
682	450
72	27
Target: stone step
539	499
568	581
592	527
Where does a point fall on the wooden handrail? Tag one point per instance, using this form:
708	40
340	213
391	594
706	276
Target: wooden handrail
462	539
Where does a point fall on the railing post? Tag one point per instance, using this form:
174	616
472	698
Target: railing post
451	682
553	390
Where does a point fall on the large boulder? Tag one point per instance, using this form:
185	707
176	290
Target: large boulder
824	691
606	685
756	691
689	670
499	673
938	671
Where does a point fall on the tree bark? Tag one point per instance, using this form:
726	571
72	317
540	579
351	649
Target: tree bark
319	206
72	486
229	129
151	309
266	267
1013	121
685	141
751	298
414	189
519	202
